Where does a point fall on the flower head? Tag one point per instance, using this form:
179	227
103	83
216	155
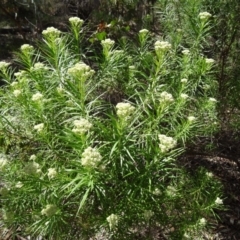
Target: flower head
49	210
108	43
184	96
219	201
166	143
124	110
162	45
212	99
39	127
184	80
52	173
33	157
185	52
19	184
76	21
81	70
37	96
112	221
204	15
209	60
51	32
81	126
166	97
91	157
3	65
26	48
191	118
17	92
202	222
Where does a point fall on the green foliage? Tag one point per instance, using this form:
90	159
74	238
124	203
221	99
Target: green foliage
88	149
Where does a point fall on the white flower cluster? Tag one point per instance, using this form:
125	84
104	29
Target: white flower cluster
3	65
184	80
39	127
19	184
17	92
32	168
218	201
37	96
209	60
20	74
76	21
212	99
39	66
124	110
3	162
185	52
49	210
113	220
108	43
204	15
166	97
81	126
33	157
52	173
202	222
144	31
166	143
26	48
14	84
157	192
81	70
148	214
191	118
183	95
52	32
91	157
162	45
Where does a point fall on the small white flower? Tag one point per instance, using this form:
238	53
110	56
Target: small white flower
3	162
76	21
52	32
202	222
212	100
49	210
37	96
219	201
209	60
124	110
144	31
26	48
162	45
14	84
91	157
107	43
17	92
148	214
185	52
166	97
184	80
81	126
204	15
209	174
39	127
184	96
191	118
33	157
52	173
4	65
113	221
19	185
166	143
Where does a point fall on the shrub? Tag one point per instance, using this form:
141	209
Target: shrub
91	144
